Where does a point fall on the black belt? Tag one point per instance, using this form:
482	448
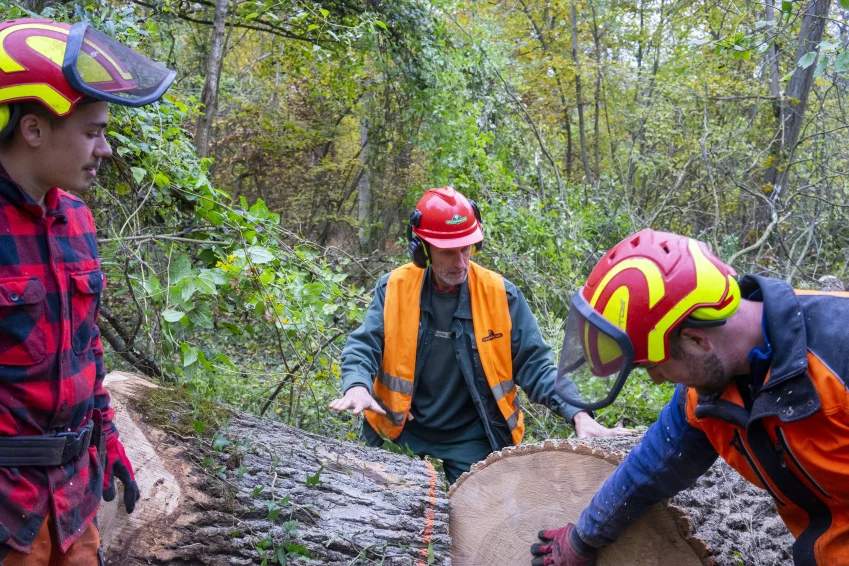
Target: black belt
48	450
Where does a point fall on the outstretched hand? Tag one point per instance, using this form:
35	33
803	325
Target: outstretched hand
359	399
586	427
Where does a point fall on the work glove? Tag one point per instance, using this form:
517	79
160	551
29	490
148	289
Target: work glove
118	466
562	547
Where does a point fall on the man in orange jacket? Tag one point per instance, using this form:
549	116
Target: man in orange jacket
449	342
762	382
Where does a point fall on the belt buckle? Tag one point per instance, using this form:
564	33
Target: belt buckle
75	442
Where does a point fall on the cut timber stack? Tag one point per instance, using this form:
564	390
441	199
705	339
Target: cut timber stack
362	505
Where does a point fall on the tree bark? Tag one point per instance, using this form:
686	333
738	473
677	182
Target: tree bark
269	488
214	61
579	96
771	60
364	191
596	141
795	99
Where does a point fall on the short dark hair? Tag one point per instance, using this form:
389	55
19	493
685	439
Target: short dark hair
37	109
41	111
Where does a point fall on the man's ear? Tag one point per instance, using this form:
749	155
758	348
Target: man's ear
32	129
695	341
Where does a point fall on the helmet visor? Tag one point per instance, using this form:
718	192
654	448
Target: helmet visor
595	360
102	68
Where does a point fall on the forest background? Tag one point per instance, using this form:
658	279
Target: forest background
243	221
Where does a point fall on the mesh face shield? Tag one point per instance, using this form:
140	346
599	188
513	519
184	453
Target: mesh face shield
102	68
597	356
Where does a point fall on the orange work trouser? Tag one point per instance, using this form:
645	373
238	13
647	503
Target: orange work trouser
46	552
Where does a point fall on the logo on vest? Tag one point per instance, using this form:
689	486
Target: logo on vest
491	336
457	219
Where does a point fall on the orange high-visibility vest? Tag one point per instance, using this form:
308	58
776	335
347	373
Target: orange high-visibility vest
393	387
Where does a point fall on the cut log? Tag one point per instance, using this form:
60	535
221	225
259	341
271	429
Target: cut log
498	507
269	491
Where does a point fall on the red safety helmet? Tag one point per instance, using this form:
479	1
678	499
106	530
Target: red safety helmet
446	219
642	289
59	64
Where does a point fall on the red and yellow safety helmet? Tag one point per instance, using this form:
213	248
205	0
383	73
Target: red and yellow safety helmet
58	64
642	289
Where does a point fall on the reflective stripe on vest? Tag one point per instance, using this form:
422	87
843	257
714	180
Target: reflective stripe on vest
393	388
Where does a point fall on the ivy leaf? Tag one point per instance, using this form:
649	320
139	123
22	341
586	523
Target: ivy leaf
190	355
807	59
162	180
219	442
138	173
171	315
787	7
206	283
291	528
259	254
297	549
315	479
828	46
180	269
201	315
841	64
189	288
821	65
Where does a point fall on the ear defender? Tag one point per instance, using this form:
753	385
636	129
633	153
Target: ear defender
9	115
416	248
479	246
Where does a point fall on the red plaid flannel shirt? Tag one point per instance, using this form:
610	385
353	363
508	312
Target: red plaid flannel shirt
51	358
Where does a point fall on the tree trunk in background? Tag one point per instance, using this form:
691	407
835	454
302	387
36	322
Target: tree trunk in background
771	60
795	99
209	96
596	141
579	97
364	195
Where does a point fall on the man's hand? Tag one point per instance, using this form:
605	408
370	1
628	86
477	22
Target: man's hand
358	399
586	427
118	466
562	547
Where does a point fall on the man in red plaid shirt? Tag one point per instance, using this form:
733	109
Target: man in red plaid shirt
59	450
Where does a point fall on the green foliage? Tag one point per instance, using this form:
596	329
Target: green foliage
234	276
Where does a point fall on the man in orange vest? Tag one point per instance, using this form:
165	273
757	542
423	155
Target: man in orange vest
449	342
762	382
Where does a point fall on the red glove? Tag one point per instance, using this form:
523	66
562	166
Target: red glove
563	548
118	466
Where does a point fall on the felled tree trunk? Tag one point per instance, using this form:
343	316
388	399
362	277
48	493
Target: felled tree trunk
269	491
498	507
274	492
